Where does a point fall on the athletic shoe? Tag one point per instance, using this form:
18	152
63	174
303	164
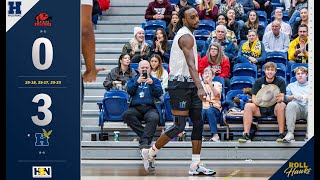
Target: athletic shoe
148	161
200	169
215	138
245	137
289	137
280	137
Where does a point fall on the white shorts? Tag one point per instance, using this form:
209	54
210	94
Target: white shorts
86	2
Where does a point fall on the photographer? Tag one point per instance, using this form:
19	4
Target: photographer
144	89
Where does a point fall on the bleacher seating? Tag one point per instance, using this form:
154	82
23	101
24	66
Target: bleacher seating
201	47
245	69
114	103
201	34
262	18
207	25
285	17
149	34
240	82
154	24
277	57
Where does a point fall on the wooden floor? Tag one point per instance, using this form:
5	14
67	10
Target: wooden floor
166	170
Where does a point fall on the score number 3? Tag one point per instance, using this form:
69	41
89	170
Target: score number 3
47	63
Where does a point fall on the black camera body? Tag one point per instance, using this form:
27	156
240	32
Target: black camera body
145	73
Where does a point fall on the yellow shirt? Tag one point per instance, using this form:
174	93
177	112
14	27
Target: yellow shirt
215	100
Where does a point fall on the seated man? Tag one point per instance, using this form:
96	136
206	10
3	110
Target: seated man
297	98
277	109
276	40
143	89
298	48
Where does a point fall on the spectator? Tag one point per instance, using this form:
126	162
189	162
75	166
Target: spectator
207	10
170	30
227	46
268	8
298	48
181	4
294	12
297	99
259	5
232	24
276	40
118	77
278	109
158	71
137	47
216	60
211	107
247	5
251	24
304	20
223	20
159	10
285	27
161	45
252	51
143	107
238	8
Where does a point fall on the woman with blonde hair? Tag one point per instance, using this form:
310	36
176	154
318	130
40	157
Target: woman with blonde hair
207	10
158	71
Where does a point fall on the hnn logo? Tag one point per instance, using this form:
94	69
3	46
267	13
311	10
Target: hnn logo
41	171
14	8
42	139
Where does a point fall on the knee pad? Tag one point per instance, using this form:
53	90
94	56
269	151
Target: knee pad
195	116
178	127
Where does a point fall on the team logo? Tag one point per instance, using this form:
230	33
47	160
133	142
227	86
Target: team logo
182	104
297	168
14	8
43	19
42	139
41	171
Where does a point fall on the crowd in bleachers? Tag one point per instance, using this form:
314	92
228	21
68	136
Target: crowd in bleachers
235	39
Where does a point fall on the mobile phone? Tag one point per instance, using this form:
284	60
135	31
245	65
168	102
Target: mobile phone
144	73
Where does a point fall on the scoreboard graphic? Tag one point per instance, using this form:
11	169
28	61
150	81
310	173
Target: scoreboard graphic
43	83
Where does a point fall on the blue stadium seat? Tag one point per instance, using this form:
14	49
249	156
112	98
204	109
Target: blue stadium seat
167	107
245	69
114	103
134	66
150	43
154	24
166	66
201	34
149	34
293	79
207	25
281	71
277	57
240	82
293	66
95	19
277	4
262	17
201	47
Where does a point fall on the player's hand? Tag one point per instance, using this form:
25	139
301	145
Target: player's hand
91	75
202	94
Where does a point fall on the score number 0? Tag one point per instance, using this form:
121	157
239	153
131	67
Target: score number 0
47	63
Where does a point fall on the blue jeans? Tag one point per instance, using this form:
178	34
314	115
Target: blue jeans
242	59
294	17
211	115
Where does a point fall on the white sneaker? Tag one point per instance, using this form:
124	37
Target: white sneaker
215	138
200	169
288	138
148	161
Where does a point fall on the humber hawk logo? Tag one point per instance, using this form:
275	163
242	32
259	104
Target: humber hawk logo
43	19
14	8
297	168
42	139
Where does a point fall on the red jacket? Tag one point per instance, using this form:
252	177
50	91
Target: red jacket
224	66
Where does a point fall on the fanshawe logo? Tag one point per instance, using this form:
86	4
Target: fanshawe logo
43	19
14	8
41	172
42	139
297	168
